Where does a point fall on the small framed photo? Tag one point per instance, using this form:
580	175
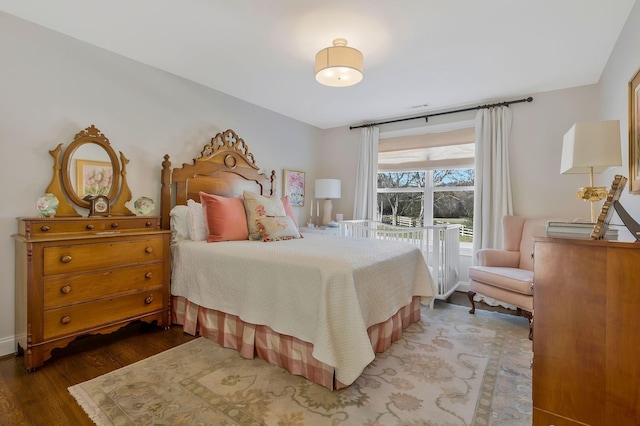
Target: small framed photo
294	187
634	134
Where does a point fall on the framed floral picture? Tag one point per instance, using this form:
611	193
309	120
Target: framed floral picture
294	187
93	177
634	134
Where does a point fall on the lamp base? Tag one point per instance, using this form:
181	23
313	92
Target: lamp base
592	194
327	206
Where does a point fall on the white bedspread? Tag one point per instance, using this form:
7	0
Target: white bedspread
322	289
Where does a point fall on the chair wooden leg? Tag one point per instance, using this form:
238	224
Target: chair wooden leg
470	295
528	315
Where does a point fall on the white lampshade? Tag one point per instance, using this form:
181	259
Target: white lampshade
591	145
328	188
339	65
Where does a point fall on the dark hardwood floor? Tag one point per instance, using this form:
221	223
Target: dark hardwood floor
42	398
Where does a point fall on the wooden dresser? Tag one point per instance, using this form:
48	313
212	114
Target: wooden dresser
78	275
586	339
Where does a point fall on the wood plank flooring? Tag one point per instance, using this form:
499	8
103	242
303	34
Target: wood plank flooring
42	398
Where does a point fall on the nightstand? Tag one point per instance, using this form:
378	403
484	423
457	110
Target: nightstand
324	230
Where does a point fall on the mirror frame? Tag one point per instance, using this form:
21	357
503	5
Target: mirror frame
67	180
61	183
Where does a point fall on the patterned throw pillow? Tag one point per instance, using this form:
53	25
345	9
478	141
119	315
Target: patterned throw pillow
258	206
277	228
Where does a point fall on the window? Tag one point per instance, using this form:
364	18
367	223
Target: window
428	179
416	198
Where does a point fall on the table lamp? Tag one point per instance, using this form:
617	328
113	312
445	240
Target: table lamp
327	189
591	147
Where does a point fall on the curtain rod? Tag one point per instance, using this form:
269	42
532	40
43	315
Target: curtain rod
435	114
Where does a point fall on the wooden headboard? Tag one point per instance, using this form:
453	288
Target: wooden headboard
225	167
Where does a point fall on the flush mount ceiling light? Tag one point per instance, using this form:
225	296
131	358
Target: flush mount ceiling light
339	65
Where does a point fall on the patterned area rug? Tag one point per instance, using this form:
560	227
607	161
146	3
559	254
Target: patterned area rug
450	368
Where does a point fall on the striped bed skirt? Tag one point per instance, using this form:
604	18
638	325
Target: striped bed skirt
290	353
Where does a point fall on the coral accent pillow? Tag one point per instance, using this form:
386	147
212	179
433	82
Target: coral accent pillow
289	210
225	218
277	228
258	206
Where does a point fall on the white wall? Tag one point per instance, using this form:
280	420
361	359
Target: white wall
613	102
53	86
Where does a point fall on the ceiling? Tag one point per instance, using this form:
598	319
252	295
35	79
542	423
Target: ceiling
439	53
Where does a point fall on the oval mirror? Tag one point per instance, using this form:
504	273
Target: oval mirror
90	167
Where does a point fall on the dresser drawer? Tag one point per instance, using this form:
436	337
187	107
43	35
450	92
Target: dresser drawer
88	257
71	319
44	227
73	289
129	223
48	227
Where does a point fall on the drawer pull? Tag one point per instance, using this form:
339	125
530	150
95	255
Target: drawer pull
65	259
90	226
114	225
148	275
148	300
149	249
66	289
45	228
65	319
148	224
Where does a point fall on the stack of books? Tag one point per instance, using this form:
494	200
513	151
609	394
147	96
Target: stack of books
582	230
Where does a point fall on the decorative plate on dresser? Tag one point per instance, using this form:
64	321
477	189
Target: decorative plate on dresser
86	275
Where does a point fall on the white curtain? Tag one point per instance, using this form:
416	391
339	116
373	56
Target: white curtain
492	198
365	204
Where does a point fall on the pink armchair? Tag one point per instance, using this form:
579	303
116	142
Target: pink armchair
507	275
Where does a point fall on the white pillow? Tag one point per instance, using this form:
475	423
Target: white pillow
179	222
196	221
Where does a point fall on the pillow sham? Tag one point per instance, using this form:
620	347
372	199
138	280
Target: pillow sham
195	221
277	228
258	206
179	226
289	210
225	218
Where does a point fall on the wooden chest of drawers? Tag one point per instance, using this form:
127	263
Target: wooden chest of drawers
78	276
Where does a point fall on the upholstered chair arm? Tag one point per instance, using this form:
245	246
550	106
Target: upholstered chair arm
501	258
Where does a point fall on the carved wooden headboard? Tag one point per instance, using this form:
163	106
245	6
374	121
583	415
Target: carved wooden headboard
225	167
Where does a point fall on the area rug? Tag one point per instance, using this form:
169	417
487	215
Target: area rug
450	368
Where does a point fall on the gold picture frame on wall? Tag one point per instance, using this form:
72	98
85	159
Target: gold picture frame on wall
634	134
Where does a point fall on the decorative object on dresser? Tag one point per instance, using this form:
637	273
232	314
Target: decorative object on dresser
87	275
586	334
591	148
89	148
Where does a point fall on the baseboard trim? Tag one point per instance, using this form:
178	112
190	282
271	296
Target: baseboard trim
463	287
7	345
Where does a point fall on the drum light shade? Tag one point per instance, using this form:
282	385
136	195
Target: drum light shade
339	65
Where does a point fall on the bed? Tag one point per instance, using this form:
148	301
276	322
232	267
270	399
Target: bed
318	306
